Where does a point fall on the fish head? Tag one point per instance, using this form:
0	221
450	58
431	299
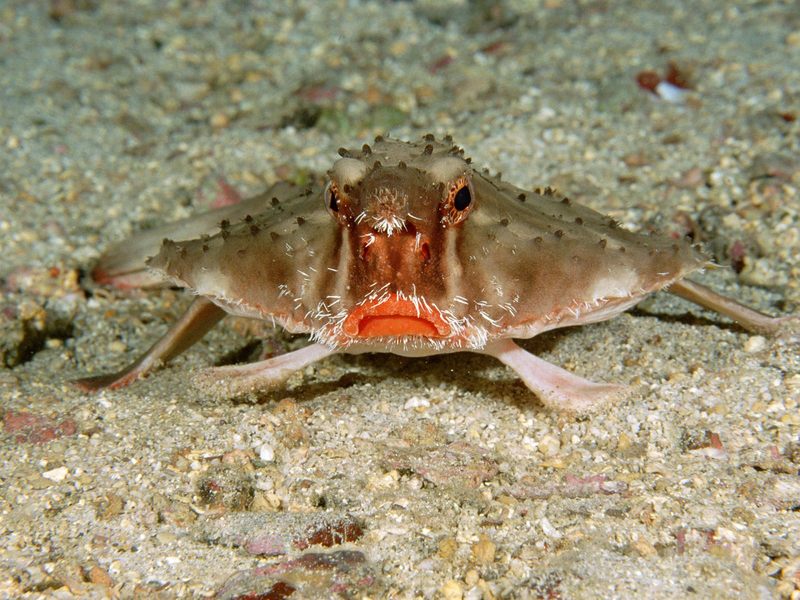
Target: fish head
399	207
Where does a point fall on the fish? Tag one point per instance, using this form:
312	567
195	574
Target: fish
407	248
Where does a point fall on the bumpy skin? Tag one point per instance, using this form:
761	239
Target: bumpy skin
408	249
511	264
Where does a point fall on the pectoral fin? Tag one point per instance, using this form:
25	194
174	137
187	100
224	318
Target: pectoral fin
198	319
257	376
556	388
749	318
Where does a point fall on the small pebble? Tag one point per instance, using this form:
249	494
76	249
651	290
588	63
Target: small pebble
549	445
166	537
99	576
266	453
447	548
755	343
416	402
549	530
475	593
117	347
644	548
452	590
58	474
483	550
219	120
670	93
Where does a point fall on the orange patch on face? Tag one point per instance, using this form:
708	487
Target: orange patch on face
395	317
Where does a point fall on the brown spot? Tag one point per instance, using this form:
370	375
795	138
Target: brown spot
578	220
32	428
344	152
224	224
428	150
602	243
300	220
254	229
274	236
331	534
538	239
565	200
248	218
366	149
738	255
226	486
521	197
440	63
648	80
559	233
504	222
275	201
448	139
205	247
279	591
677	76
225	234
695	440
378	139
402	164
635	159
429	137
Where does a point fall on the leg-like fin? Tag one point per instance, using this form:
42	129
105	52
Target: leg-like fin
556	388
749	318
242	379
198	319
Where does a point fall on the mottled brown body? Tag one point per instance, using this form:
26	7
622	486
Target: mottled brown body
408	249
515	263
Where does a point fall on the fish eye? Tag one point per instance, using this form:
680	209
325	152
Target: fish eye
332	198
463	198
458	203
337	202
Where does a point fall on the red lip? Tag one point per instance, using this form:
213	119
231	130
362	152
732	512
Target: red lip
395	317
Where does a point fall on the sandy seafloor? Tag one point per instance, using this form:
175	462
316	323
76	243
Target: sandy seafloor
379	476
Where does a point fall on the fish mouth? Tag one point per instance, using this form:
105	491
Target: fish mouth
395	316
